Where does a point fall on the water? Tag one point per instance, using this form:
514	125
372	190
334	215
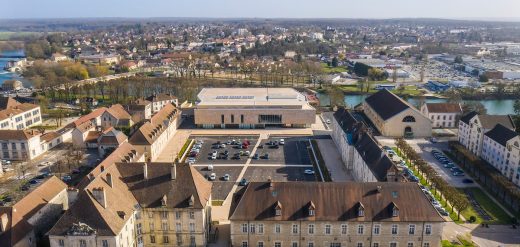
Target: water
494	107
6	75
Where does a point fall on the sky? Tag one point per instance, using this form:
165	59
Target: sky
380	9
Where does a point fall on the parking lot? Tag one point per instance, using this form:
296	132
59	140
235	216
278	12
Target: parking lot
278	159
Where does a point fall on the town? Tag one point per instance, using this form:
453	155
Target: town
260	132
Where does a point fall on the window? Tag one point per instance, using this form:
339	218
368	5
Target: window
179	239
335	245
428	229
244	243
360	229
177	215
252	228
277	228
82	243
426	245
178	227
411	229
165	239
343	229
152	239
311	212
359	245
150	215
192	227
222	118
295	229
164	215
260	244
409	119
327	229
270	119
260	228
361	211
394	229
232	118
311	244
377	229
13	146
294	244
393	244
242	118
311	229
395	212
410	245
139	228
244	228
164	226
192	241
192	215
277	244
375	244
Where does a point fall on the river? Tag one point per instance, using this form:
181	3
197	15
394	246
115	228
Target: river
6	75
494	107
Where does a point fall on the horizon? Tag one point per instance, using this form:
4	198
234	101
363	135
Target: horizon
477	10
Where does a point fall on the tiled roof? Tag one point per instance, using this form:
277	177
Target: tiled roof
149	131
467	117
374	157
489	121
444	108
18	134
118	112
334	201
15	109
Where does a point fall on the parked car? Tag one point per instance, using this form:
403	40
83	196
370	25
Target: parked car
458	174
467	181
191	160
309	172
226	177
328	121
212	176
282	142
434	140
265	156
66	178
256	156
243	182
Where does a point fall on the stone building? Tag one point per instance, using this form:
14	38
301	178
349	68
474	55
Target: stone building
310	214
443	115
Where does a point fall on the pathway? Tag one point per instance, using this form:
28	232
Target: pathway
332	158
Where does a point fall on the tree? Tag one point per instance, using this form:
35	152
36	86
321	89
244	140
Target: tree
375	74
458	59
474	106
336	96
334	62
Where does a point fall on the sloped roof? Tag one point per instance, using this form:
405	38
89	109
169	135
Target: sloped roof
117	111
374	156
18	214
334	201
501	134
8	102
490	121
94	114
151	130
444	108
150	191
386	104
466	118
18	134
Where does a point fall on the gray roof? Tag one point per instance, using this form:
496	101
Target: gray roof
386	104
501	134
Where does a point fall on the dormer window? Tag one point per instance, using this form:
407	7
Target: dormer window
361	210
163	201
278	209
191	201
312	209
395	210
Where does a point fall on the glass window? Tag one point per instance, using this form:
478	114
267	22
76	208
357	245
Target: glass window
164	226
428	229
192	215
261	228
244	243
377	229
295	229
152	239
394	229
343	229
192	227
277	244
166	239
360	229
393	244
311	244
328	229
82	243
410	244
311	229
178	227
277	228
411	229
61	243
244	228
177	215
260	244
252	228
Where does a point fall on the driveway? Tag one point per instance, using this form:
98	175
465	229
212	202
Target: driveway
332	158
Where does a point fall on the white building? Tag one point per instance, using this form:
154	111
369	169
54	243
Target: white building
472	128
360	152
161	100
443	115
501	149
18	116
26	145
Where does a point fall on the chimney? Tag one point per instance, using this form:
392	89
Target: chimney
174	171
109	180
100	196
145	170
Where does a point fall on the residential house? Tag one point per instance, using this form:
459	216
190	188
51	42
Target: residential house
18	116
334	214
25	222
443	115
140	110
153	136
473	126
110	140
116	116
161	100
139	204
501	149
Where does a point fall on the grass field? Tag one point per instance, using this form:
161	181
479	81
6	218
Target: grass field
499	216
8	35
332	70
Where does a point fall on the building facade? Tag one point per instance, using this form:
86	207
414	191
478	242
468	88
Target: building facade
443	115
501	149
18	116
253	108
299	214
394	117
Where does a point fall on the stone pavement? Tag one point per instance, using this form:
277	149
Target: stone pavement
333	161
494	236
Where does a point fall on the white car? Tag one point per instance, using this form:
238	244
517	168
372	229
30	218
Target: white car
210	167
212	176
309	172
328	121
213	156
226	177
191	160
282	142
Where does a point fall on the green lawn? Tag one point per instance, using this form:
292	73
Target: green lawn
332	70
408	90
7	35
499	216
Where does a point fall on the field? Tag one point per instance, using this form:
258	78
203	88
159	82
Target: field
332	70
8	35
